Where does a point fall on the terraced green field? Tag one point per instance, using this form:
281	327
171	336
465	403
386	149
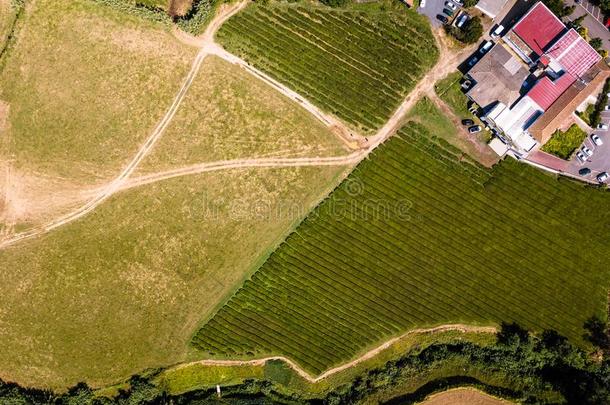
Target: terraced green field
420	235
357	65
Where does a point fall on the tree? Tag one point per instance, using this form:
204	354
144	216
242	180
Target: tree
473	30
597	333
596	43
559	8
470	3
577	22
511	334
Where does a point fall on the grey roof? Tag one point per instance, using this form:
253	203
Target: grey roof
491	7
498	76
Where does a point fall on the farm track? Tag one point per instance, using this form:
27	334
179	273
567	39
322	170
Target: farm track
448	62
366	356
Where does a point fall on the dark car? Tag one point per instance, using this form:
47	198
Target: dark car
474	129
467	122
448	12
584	171
442	18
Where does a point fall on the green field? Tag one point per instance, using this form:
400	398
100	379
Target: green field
420	235
356	64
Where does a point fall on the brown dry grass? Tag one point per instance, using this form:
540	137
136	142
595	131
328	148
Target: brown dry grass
229	114
464	396
179	7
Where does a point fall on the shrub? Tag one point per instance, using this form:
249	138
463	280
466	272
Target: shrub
469	34
563	144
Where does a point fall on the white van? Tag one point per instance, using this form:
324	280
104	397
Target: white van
498	31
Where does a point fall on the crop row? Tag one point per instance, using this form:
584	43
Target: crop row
356	66
464	252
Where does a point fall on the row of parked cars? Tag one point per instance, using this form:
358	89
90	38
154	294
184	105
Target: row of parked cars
451	6
585	153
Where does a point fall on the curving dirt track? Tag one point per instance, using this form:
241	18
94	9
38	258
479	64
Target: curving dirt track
368	355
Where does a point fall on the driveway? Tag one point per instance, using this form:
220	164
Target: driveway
600	161
431	10
594	21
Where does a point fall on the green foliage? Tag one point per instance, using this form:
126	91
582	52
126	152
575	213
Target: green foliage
597	333
420	235
470	3
596	43
335	3
358	65
470	33
148	13
198	17
595	117
559	7
563	144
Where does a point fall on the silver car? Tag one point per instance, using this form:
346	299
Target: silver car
603	176
597	140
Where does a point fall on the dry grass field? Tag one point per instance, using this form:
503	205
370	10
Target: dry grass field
229	114
125	288
81	96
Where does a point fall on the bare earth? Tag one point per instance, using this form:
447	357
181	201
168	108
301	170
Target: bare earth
464	396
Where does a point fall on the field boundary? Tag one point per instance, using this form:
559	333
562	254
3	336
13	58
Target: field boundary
366	356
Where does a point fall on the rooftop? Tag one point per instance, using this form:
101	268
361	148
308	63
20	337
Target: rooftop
491	7
538	28
498	76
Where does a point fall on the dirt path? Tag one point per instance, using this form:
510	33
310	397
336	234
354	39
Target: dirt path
366	356
448	62
146	147
243	164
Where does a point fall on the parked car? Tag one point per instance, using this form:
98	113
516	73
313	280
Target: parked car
422	3
497	32
581	157
450	5
602	127
606	107
466	85
597	140
467	122
448	12
584	171
473	61
474	129
603	176
462	20
442	18
586	151
486	47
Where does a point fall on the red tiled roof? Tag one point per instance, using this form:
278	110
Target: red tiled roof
574	54
546	91
538	28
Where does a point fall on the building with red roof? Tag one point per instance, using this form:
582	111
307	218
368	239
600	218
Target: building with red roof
538	29
558	60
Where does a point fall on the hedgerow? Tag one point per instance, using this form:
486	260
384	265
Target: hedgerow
431	238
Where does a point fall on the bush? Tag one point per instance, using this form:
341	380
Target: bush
469	34
563	144
470	3
559	8
334	3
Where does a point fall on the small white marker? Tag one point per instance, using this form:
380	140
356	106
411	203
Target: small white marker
218	390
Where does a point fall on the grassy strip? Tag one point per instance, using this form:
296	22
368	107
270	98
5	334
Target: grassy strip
563	144
426	237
